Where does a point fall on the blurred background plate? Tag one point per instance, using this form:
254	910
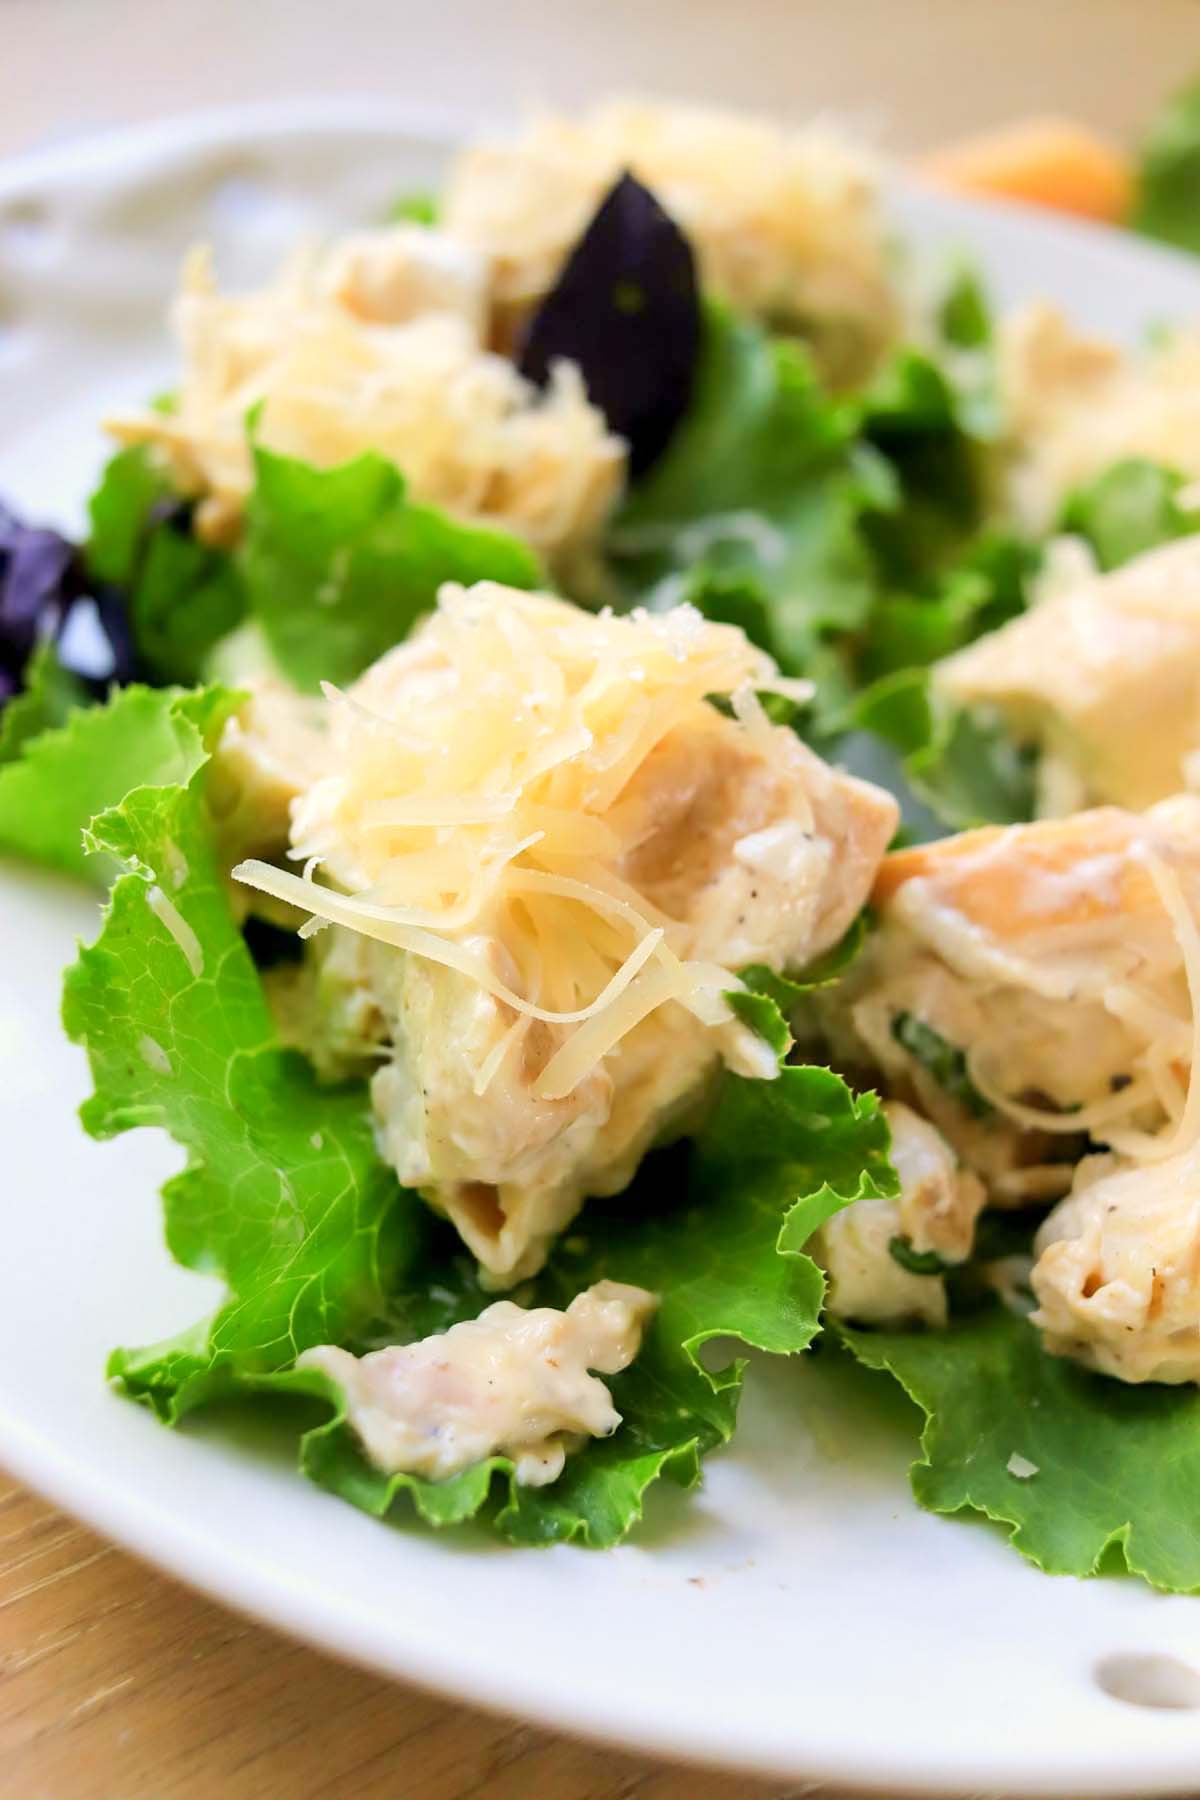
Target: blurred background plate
798	1615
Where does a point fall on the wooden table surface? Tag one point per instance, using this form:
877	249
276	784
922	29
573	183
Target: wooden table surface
116	1683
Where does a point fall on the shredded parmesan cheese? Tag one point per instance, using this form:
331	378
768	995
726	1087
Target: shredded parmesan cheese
535	715
169	915
327	381
539	855
785	223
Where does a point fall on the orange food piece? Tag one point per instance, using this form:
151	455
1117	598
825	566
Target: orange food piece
1048	162
1010	879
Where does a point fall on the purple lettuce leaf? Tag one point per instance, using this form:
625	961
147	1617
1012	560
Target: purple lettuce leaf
44	589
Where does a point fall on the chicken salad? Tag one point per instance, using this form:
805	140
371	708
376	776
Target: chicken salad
642	768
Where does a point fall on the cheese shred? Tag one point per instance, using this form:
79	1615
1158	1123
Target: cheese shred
485	830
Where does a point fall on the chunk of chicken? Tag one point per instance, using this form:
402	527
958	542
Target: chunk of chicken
1117	1276
936	1211
391	276
509	1166
1077	405
759	848
329	381
756	852
606	849
1028	985
1104	677
785	223
508	1383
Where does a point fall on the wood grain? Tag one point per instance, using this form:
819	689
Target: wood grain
116	1683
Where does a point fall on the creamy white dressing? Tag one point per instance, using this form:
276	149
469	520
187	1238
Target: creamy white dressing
510	1383
936	1211
1117	1275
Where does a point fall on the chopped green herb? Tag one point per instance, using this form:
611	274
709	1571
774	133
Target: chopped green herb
917	1262
944	1061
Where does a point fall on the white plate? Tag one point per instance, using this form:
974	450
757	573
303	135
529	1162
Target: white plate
799	1614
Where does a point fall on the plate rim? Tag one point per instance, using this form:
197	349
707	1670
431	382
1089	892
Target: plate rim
152	1532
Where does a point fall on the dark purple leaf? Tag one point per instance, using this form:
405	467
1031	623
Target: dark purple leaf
36	563
42	583
626	308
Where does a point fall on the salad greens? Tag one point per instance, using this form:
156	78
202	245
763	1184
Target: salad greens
181	596
338	564
945	1062
720	1233
1114	1468
857	537
335	566
48	696
848	538
948	769
63	777
1168	204
413	209
285	1197
284	1194
1131	507
764	481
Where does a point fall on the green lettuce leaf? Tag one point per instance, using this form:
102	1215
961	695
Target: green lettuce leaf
915	417
985	588
50	695
814	522
119	513
964	315
1130	508
763	480
283	1195
949	769
67	775
768	1001
944	1061
182	597
285	1198
1168	202
972	773
338	564
1117	1467
717	1231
